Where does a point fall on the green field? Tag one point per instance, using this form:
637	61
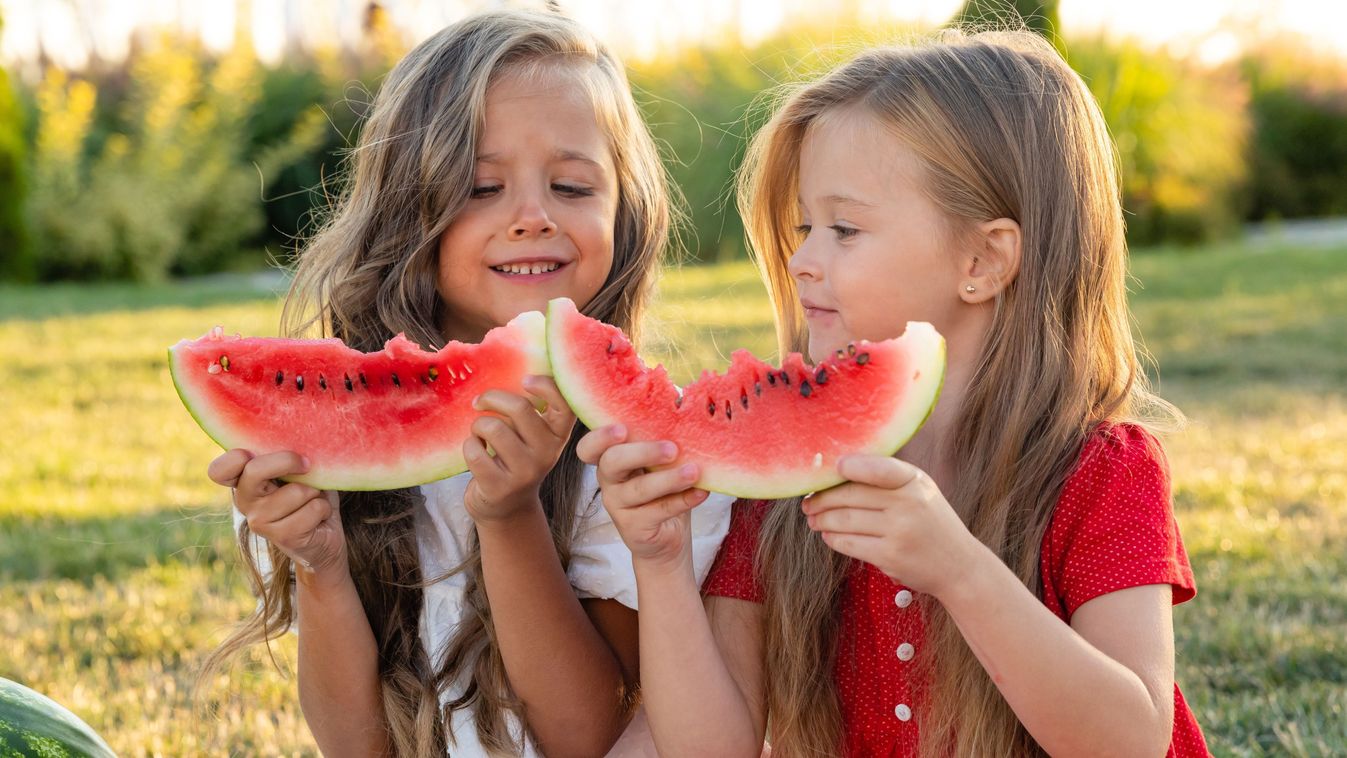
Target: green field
117	573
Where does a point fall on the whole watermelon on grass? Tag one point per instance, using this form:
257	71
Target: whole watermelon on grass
32	724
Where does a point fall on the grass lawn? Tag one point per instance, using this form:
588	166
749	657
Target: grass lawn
117	572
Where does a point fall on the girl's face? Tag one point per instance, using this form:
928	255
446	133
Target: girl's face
876	252
539	221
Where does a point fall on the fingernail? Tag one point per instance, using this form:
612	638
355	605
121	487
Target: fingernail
700	495
304	462
619	431
689	471
668	450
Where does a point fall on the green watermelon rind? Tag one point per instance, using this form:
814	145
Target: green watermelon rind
922	396
32	724
532	327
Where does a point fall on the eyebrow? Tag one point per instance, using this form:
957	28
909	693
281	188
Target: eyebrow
841	200
559	155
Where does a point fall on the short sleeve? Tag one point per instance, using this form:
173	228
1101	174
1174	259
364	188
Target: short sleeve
732	575
601	563
1114	526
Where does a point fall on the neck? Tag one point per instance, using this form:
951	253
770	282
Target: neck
929	448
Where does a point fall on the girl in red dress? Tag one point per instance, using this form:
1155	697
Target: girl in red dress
1003	586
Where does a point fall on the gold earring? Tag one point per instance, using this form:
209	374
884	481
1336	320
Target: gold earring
970	289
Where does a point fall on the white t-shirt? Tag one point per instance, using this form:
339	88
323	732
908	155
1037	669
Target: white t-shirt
600	568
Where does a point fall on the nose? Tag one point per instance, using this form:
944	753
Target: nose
531	220
805	265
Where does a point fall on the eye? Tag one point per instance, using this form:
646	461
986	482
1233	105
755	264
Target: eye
488	190
844	232
803	230
571	190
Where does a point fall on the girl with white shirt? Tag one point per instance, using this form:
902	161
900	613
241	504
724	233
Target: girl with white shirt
504	163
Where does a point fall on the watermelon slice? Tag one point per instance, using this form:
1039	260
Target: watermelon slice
757	431
366	421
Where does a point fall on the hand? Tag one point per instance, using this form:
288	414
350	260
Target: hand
527	443
300	520
652	511
891	514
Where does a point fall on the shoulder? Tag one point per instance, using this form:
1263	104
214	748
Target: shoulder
1113	525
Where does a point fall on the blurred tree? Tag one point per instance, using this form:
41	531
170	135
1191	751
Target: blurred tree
1038	15
16	252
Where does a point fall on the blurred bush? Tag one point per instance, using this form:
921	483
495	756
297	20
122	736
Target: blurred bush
176	185
16	254
1181	131
1298	160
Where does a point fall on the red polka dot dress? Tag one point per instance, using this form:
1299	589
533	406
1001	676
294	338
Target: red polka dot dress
1113	528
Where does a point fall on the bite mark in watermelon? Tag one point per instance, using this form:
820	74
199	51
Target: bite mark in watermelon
365	421
756	431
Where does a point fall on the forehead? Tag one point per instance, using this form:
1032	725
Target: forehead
850	146
545	104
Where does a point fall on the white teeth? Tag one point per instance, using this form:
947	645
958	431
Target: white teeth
528	268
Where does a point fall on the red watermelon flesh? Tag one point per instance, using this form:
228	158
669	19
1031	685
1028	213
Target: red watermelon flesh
756	431
366	421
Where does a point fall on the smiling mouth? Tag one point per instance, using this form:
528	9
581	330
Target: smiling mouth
520	269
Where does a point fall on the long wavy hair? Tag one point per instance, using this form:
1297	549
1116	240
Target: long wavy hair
1004	129
370	272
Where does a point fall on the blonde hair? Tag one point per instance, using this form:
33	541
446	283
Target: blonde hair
1003	129
370	272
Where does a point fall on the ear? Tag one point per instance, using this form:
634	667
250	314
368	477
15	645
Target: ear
991	262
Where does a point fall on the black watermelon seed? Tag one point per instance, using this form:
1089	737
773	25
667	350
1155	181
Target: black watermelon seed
821	377
862	359
785	378
349	387
851	348
805	389
610	347
771	379
678	402
433	373
396	381
729	413
711	407
224	362
743	398
299	382
322	382
280	377
363	383
757	388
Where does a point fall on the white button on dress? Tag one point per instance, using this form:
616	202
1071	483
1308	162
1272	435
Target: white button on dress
902	712
906	651
903	598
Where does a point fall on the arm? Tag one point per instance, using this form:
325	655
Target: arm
339	689
1104	687
701	667
574	687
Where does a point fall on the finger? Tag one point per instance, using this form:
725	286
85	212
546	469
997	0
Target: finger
846	495
257	479
878	470
670	506
593	445
622	462
227	467
479	461
517	411
648	488
556	411
850	521
297	527
862	547
264	512
503	440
